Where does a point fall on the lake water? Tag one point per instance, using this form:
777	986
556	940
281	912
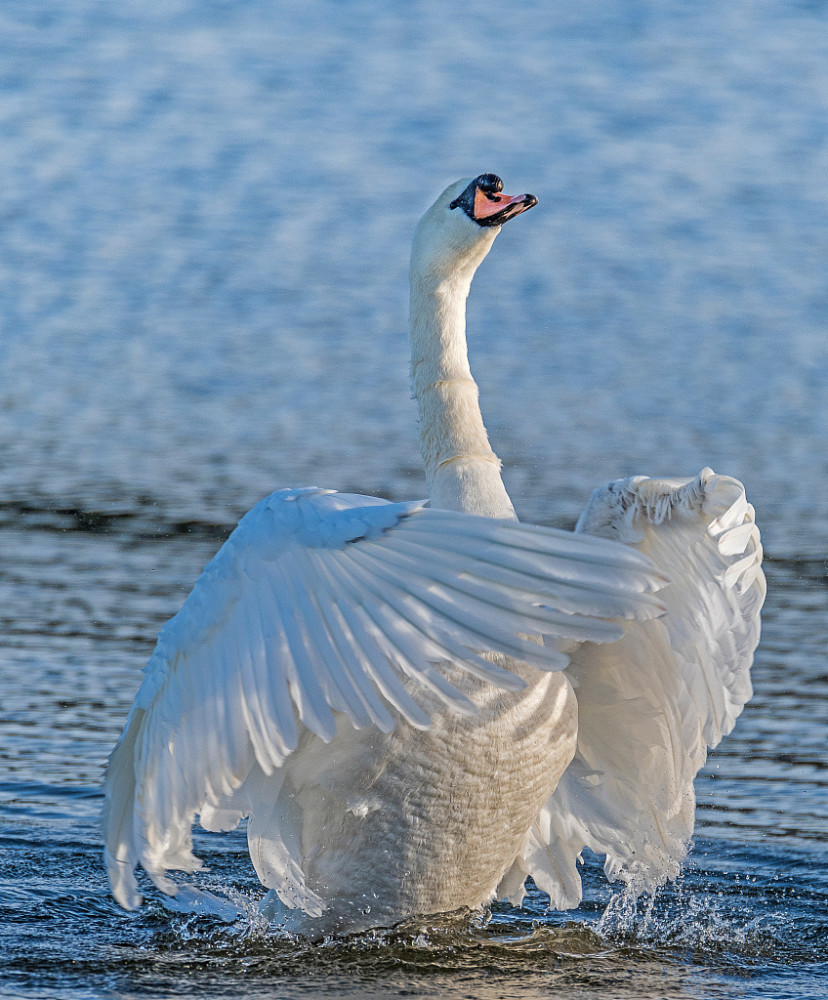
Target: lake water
205	214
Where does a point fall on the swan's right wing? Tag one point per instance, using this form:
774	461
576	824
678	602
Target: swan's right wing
650	704
322	603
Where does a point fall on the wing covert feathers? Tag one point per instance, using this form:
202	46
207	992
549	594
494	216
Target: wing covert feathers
322	605
650	704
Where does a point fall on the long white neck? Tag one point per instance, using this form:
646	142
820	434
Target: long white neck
462	471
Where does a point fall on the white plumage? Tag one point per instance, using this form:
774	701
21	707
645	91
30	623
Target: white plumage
418	706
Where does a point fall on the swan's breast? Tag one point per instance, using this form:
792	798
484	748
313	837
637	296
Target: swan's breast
424	822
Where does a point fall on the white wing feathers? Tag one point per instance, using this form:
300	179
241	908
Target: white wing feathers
650	704
322	603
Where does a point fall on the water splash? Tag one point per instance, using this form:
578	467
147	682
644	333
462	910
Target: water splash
705	925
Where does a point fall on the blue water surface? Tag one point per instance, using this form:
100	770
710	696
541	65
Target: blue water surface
205	214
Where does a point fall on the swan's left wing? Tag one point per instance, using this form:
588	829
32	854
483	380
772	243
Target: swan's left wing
650	704
322	603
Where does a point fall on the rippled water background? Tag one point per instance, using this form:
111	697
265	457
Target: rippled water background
205	212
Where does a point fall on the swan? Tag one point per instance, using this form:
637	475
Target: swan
418	705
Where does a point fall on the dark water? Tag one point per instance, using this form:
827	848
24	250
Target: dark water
205	212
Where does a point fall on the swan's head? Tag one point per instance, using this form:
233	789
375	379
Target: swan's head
457	232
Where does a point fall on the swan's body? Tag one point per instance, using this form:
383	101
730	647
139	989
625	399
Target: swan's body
417	708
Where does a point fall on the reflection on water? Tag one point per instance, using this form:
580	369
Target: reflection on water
205	216
697	940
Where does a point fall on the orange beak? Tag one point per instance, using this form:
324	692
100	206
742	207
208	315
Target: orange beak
483	201
491	208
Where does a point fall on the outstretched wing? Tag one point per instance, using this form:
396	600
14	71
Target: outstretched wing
650	704
322	603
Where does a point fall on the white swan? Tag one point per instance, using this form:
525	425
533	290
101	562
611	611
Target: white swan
416	707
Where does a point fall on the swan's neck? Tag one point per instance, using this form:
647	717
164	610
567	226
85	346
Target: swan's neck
462	471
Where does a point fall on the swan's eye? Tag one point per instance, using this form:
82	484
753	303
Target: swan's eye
488	185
